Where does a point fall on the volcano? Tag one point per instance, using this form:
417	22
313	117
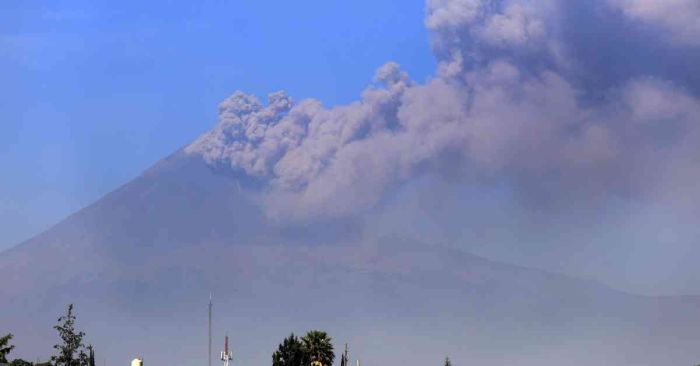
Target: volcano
140	262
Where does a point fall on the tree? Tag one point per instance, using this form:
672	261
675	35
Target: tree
20	362
71	351
318	347
448	362
290	353
344	357
5	348
91	356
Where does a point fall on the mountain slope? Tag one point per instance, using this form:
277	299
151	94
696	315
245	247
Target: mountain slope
143	259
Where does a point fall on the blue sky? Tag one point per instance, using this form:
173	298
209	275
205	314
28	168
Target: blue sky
94	92
569	128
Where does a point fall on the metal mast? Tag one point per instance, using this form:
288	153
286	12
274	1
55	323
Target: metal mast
210	305
226	354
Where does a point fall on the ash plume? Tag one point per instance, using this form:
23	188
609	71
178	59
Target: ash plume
506	100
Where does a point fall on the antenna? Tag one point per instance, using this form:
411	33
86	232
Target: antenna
226	354
210	305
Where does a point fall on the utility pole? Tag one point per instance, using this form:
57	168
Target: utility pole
210	305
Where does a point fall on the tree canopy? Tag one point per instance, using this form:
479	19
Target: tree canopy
290	353
5	347
318	347
71	350
20	362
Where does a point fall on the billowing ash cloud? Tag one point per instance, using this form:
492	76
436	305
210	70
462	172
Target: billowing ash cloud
681	18
512	100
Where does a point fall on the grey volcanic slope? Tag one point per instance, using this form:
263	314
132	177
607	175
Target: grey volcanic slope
140	262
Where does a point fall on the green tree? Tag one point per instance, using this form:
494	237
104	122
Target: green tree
448	362
5	347
290	353
20	362
344	357
71	351
91	356
318	347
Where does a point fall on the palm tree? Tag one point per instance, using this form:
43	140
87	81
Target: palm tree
318	347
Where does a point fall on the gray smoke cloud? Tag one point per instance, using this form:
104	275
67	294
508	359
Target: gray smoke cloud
506	103
679	18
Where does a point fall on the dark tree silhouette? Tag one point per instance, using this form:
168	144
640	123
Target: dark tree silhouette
318	347
20	362
344	357
290	353
91	356
71	351
5	347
